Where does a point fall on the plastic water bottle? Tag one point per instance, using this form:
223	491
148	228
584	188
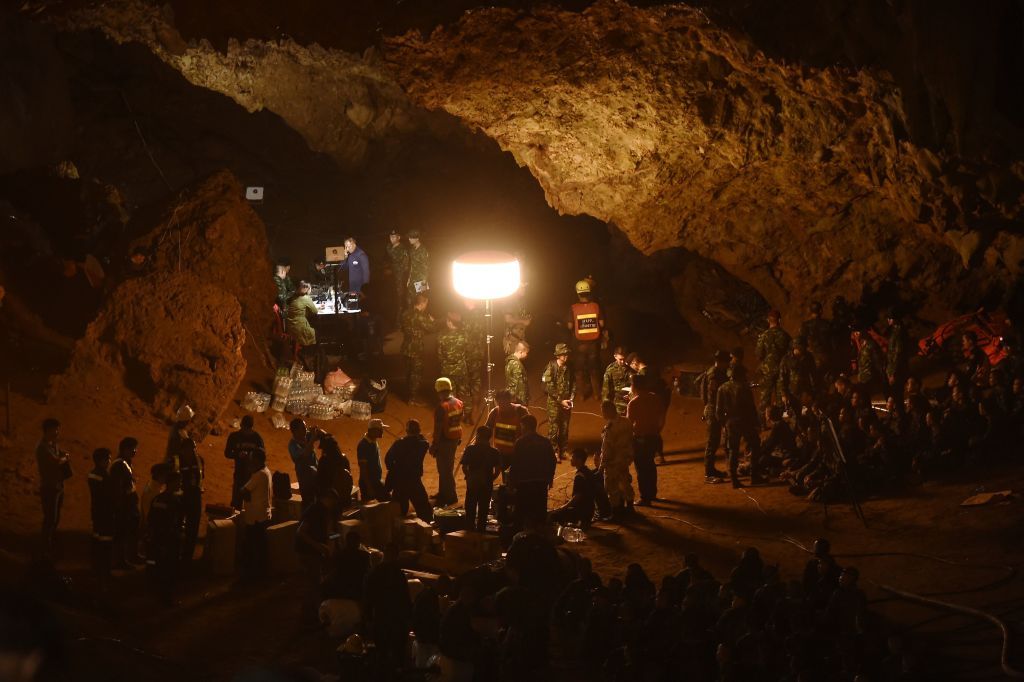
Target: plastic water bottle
571	534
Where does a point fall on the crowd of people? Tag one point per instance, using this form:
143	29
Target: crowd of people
546	609
837	416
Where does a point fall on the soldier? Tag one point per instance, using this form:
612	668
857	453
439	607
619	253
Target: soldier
416	322
735	408
419	266
504	422
398	256
587	326
818	333
284	284
558	386
616	380
897	365
165	529
451	354
708	383
870	363
516	382
614	460
772	345
446	438
797	375
476	349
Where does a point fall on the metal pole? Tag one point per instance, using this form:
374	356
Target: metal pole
488	392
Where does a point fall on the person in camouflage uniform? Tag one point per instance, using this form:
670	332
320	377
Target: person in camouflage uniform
798	375
416	322
772	346
561	390
870	362
616	378
451	354
818	333
516	382
398	256
735	408
419	265
897	365
708	383
284	284
476	349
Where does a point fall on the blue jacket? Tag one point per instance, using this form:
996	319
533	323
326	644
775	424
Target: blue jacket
358	267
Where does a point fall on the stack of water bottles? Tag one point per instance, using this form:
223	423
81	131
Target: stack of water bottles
255	401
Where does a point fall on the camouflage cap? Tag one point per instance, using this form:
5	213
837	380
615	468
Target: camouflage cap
561	349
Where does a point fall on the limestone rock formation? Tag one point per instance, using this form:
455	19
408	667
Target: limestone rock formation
160	341
799	181
211	232
339	102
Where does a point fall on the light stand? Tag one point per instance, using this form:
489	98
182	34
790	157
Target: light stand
486	276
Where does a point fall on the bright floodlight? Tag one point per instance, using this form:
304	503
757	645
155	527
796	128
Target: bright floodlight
486	275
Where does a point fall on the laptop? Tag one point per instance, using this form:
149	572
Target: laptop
334	254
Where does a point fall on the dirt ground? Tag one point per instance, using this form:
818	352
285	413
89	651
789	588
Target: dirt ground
221	630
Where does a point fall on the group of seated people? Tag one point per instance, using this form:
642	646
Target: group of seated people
546	609
971	419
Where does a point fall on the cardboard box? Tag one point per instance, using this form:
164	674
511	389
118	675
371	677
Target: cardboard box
281	548
416	534
288	510
378	521
465	549
345	526
220	546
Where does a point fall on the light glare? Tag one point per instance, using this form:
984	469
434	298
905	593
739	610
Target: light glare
486	275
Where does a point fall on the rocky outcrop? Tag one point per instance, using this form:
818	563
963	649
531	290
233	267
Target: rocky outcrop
160	341
211	232
798	181
337	101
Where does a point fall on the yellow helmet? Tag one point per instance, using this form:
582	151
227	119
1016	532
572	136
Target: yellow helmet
443	384
583	287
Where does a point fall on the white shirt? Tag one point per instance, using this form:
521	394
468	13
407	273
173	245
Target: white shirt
257	508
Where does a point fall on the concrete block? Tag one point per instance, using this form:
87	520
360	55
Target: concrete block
281	547
220	546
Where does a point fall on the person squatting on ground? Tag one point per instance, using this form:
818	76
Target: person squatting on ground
446	438
481	465
560	391
579	510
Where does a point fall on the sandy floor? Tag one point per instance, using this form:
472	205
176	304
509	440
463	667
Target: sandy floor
713	520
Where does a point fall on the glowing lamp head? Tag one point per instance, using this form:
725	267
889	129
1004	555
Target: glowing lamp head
486	275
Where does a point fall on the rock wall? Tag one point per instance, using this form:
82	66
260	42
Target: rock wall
211	232
339	102
160	341
799	181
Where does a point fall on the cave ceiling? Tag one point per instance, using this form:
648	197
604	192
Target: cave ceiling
809	156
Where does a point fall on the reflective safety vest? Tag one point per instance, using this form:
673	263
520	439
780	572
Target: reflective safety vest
453	411
506	429
586	321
